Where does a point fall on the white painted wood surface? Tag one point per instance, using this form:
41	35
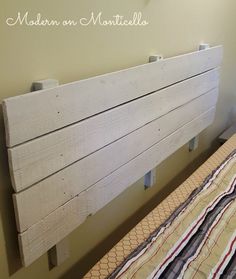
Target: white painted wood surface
193	143
48	194
39	158
60	252
66	145
72	102
42	236
150	177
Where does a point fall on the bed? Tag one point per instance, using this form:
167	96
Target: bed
191	234
73	148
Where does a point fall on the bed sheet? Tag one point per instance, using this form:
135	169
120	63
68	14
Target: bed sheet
162	222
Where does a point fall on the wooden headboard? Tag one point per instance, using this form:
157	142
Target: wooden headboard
75	147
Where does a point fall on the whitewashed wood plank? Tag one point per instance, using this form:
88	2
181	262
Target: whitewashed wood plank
42	236
38	249
47	195
37	159
102	193
31	115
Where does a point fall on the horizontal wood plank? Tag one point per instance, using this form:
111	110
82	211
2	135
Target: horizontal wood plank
35	160
32	115
45	234
47	195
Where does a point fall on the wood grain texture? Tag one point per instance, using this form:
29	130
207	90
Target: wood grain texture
52	109
50	230
66	144
60	252
54	191
37	159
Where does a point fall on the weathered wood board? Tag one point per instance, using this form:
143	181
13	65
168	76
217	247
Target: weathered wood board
47	232
41	112
75	147
48	194
39	158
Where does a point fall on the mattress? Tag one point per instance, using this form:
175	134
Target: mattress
191	234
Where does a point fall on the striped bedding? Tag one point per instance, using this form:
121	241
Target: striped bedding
197	240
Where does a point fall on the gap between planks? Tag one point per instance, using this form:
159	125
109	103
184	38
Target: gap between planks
24	113
38	159
69	182
43	235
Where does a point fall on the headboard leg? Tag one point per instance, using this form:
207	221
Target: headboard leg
150	179
193	143
59	253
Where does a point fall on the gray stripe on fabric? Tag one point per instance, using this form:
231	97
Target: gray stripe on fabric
173	270
170	219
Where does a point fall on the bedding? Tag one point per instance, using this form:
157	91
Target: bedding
191	234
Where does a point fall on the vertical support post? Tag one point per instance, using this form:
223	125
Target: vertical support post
203	46
60	252
155	58
193	143
150	177
45	84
